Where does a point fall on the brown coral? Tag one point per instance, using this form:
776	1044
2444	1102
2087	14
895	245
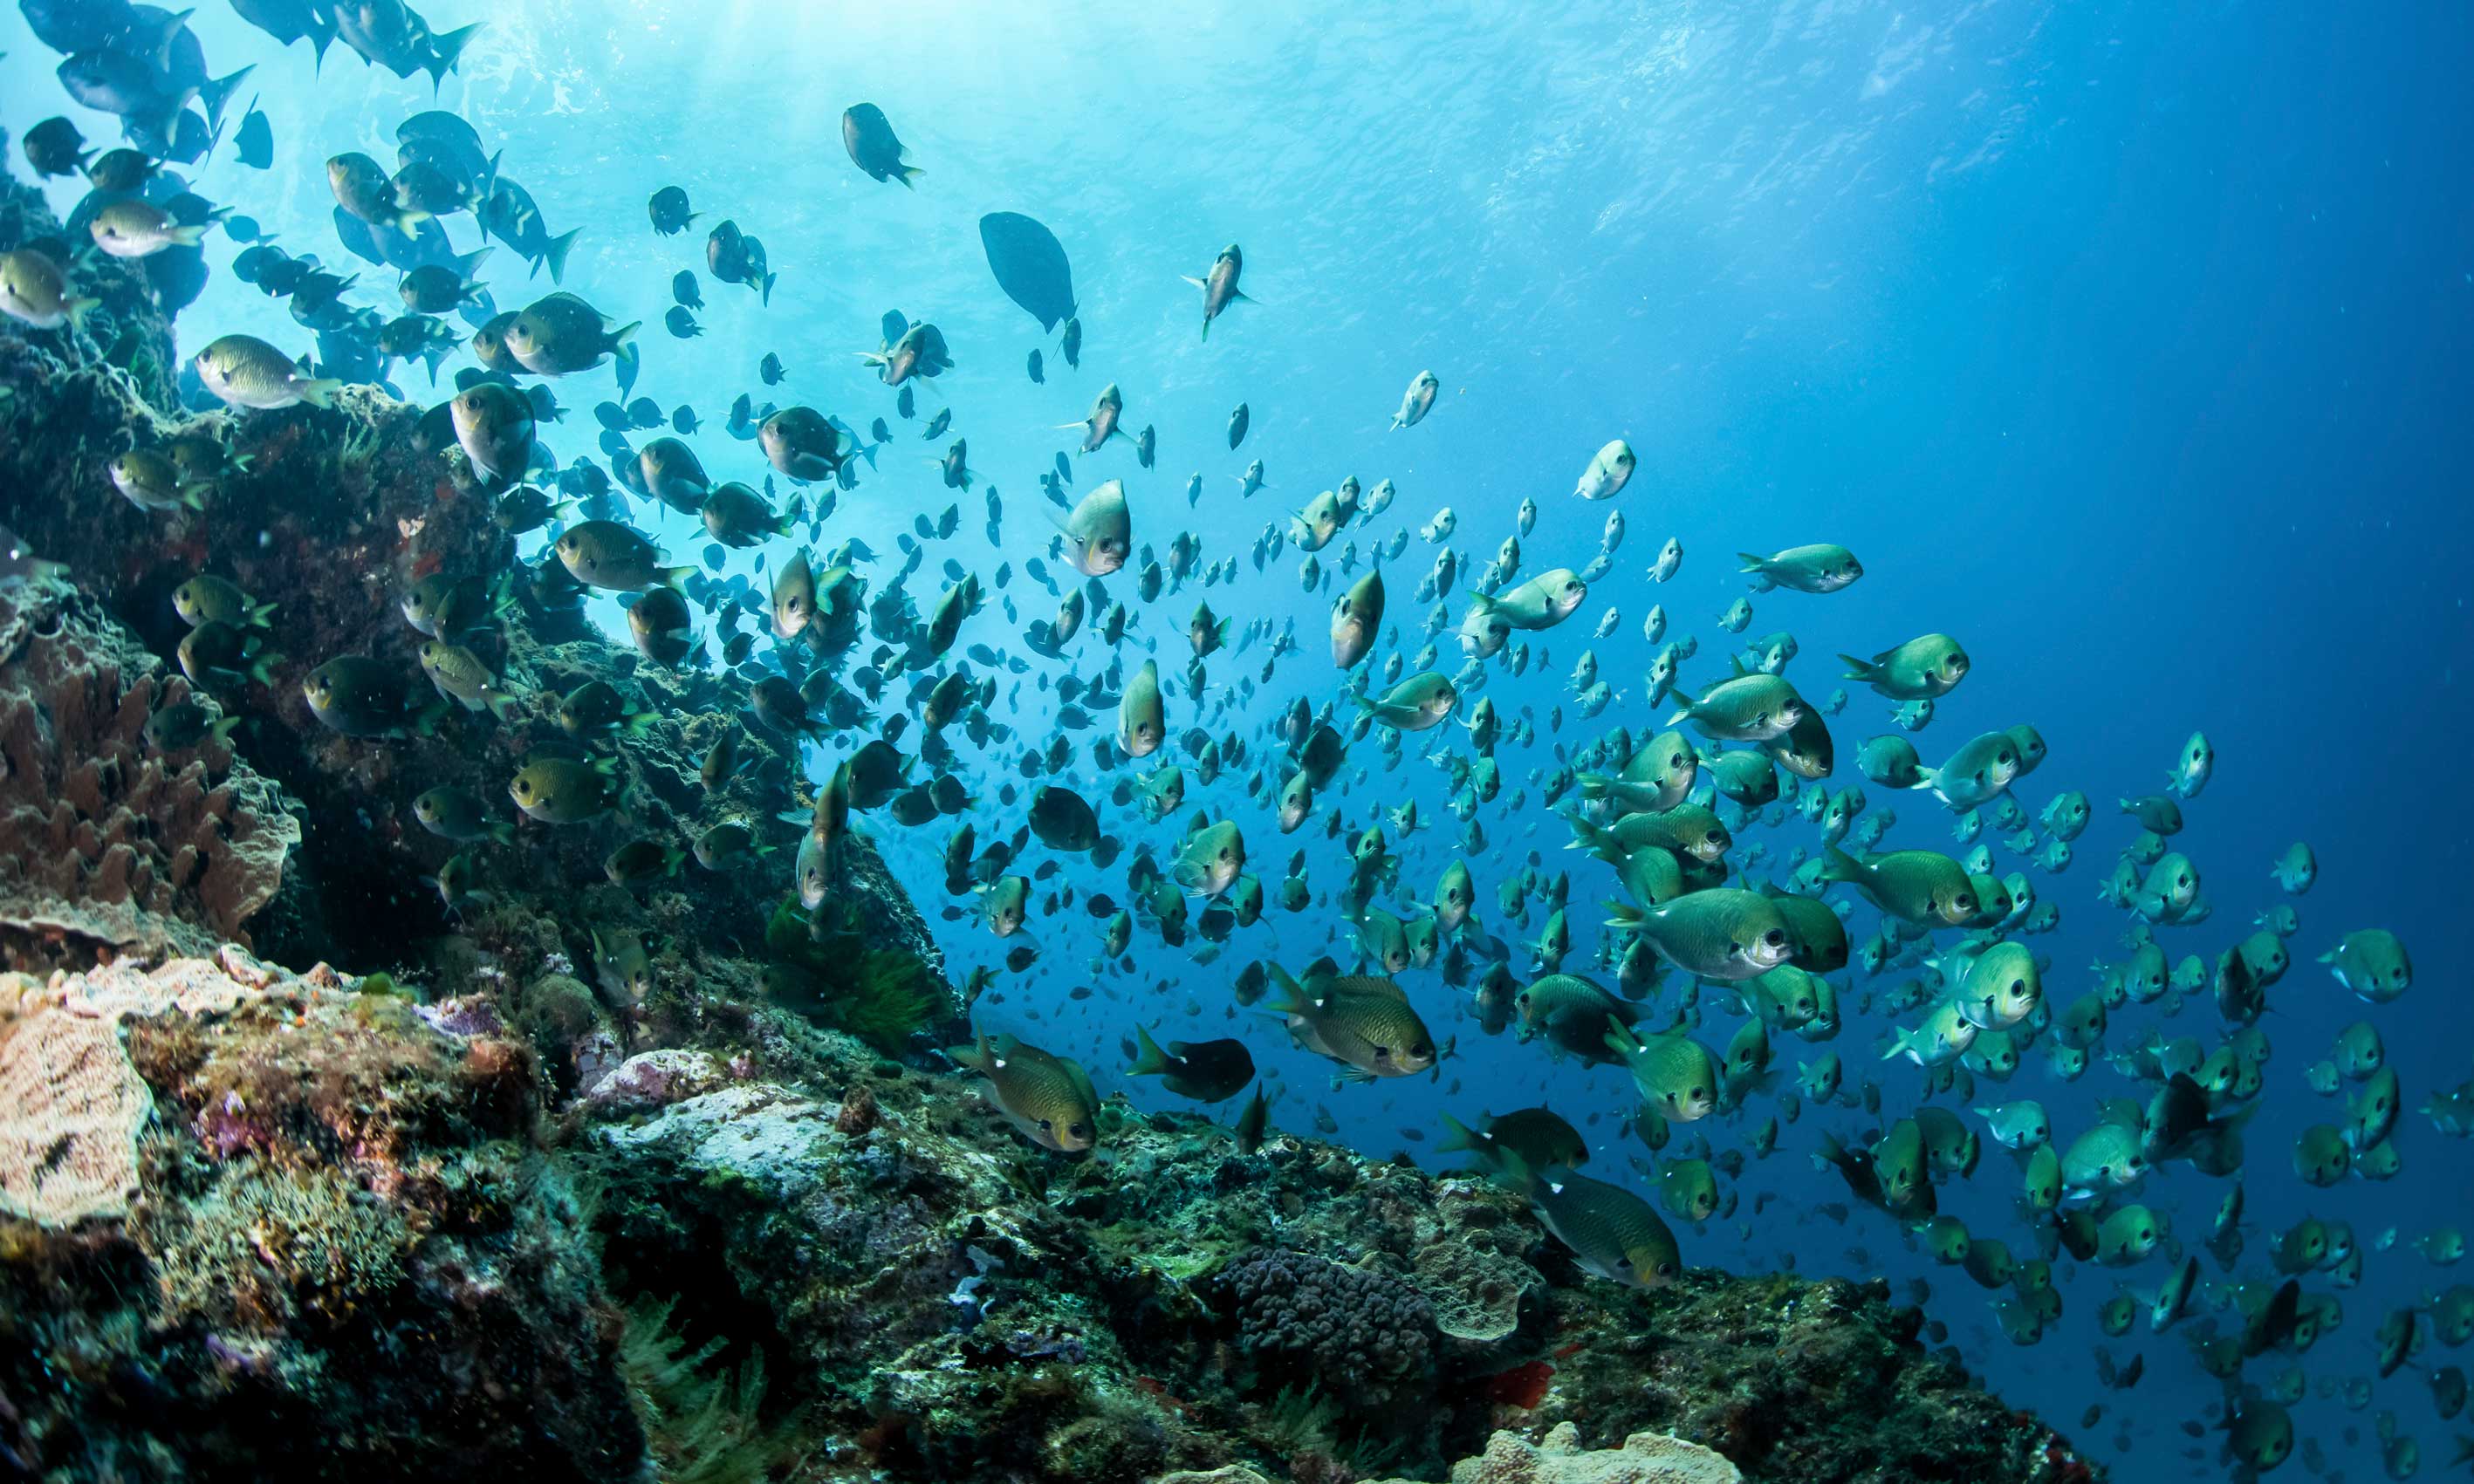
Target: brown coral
107	843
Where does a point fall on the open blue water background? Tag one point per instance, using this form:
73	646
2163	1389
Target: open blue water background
2127	342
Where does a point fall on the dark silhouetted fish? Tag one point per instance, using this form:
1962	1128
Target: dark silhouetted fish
1029	264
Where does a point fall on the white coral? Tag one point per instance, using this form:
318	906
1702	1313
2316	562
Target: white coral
1645	1458
71	1108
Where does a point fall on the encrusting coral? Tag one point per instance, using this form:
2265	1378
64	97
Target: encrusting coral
71	1108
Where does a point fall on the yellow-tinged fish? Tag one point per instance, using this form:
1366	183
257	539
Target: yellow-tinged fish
1362	1022
1049	1098
1609	1230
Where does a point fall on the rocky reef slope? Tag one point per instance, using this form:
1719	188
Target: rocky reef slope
496	1199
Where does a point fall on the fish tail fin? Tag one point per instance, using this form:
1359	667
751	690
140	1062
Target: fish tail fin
764	294
444	50
502	704
979	1056
79	308
1290	997
186	236
560	246
425	722
320	392
221	728
218	91
676	577
502	831
1459	1138
1621	1040
1623	914
907	174
1863	670
1152	1060
1515	1172
262	668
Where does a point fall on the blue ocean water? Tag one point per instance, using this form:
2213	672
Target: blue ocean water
2125	342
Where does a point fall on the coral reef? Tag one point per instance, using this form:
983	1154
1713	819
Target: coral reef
654	1177
345	1253
391	509
109	841
953	1304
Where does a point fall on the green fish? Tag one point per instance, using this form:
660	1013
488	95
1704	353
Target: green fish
1819	568
1676	1074
1610	1231
1721	933
459	814
2372	963
567	790
1537	1135
1923	887
1049	1098
1360	1022
1541	603
1142	723
609	555
1417	704
1922	669
1741	709
1689	1189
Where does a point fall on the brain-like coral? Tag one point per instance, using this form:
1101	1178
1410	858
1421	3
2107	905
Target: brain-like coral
106	840
1308	1322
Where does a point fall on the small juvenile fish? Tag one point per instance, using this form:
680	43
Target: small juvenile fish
1417	401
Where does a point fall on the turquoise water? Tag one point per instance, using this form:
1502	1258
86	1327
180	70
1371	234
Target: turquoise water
2127	343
